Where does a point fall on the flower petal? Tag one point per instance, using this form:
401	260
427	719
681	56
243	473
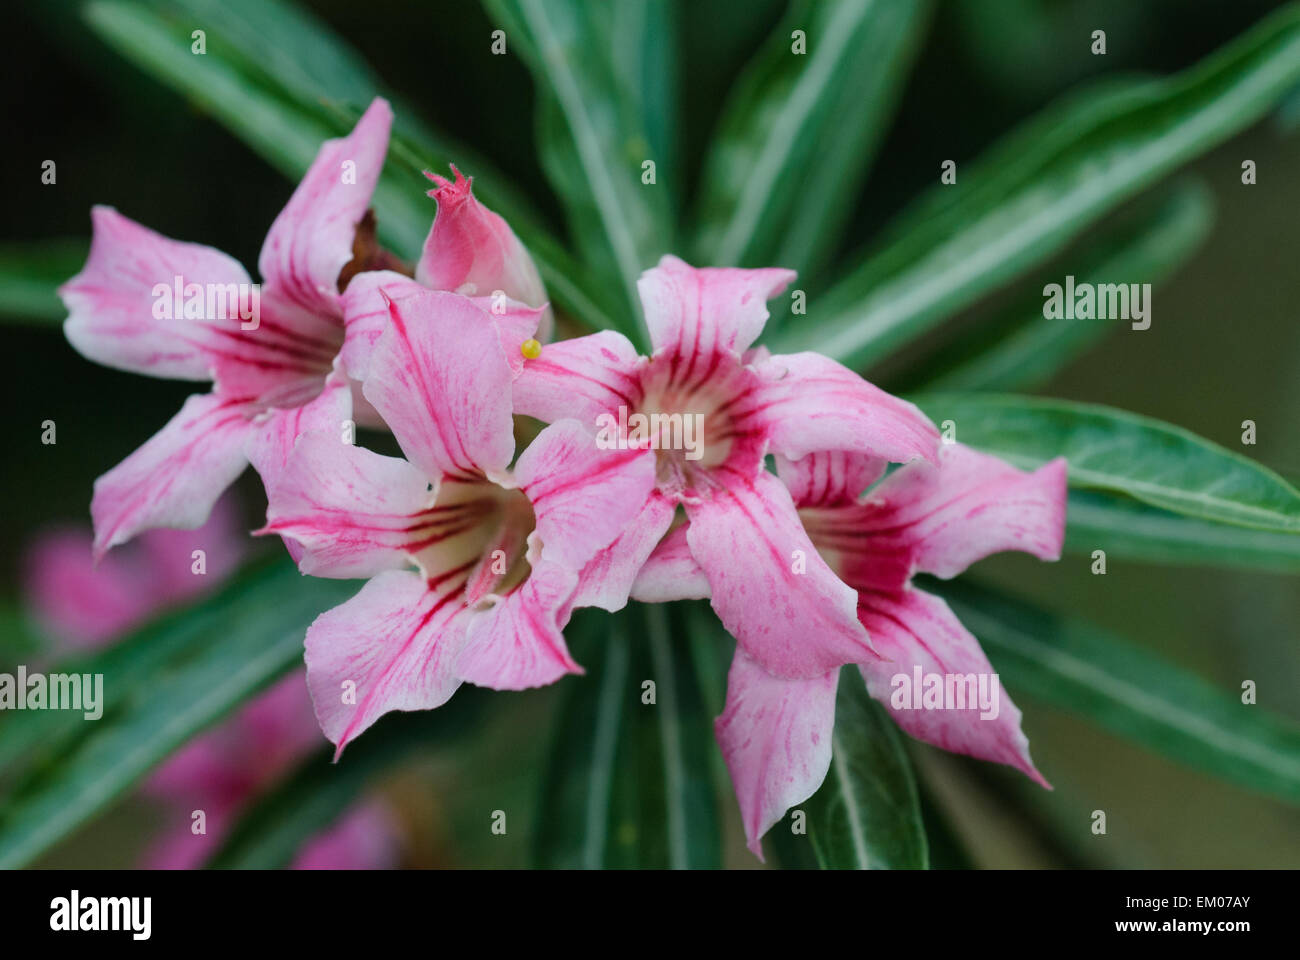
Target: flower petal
610	577
365	315
694	313
473	251
391	647
364	838
749	542
439	379
970	506
279	429
830	478
913	629
111	302
583	497
177	475
518	642
810	403
311	240
671	572
580	378
775	736
353	512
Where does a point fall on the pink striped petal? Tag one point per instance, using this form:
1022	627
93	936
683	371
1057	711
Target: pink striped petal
775	736
441	382
472	251
970	506
393	646
365	315
694	313
610	577
749	542
583	497
278	430
311	240
829	478
111	302
365	312
671	572
177	475
518	642
810	403
516	323
581	378
353	512
914	629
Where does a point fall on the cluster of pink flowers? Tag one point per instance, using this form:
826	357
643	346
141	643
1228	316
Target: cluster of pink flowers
476	557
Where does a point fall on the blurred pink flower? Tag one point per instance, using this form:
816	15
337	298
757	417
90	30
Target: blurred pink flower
86	606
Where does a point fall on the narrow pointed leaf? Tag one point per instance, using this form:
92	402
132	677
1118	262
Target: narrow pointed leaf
1133	693
30	274
867	813
1109	449
800	131
171	682
629	782
1022	202
593	142
1028	348
1130	530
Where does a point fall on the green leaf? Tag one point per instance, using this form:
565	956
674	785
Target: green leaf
1109	449
160	688
593	141
643	38
799	132
1030	348
1132	693
269	835
1125	528
282	83
30	274
867	813
629	783
1022	202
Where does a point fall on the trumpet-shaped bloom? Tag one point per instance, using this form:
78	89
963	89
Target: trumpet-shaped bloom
473	565
775	732
705	409
164	308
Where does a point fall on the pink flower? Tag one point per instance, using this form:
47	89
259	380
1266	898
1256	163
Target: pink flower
84	605
775	732
497	552
772	590
164	308
221	771
88	605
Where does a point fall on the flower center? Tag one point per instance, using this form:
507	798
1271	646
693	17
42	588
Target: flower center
477	539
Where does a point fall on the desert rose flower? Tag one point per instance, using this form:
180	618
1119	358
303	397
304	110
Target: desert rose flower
164	308
473	564
775	732
732	406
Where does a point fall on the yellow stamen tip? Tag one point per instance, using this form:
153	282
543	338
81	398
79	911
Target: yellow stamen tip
531	349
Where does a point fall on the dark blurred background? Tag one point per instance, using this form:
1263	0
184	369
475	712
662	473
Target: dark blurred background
1224	346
